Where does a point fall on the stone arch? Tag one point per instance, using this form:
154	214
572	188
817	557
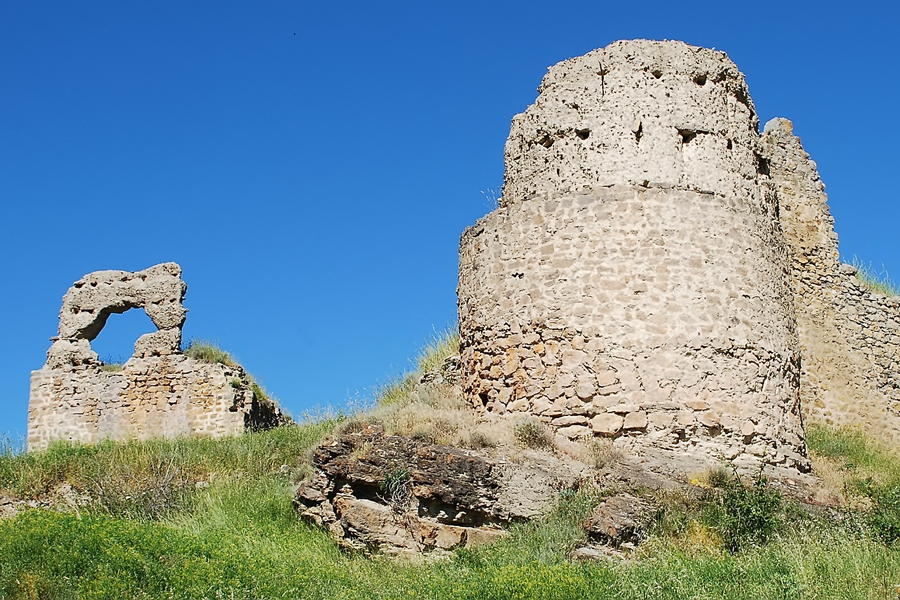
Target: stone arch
87	305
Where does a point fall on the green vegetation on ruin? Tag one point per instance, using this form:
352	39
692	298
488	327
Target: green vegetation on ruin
875	281
209	352
429	358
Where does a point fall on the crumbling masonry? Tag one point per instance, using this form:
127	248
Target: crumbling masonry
158	392
659	273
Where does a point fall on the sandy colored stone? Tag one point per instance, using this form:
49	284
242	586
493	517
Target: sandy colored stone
607	424
638	237
635	420
158	393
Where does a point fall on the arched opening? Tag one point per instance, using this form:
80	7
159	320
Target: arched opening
115	342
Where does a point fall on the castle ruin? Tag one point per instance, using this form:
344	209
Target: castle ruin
659	273
158	392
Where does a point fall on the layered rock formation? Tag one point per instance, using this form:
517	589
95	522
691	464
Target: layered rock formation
158	392
632	283
377	492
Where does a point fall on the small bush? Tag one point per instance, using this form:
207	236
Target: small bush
604	453
397	488
744	514
533	434
208	352
884	520
479	439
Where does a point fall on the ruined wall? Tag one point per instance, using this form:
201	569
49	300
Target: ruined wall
849	336
632	283
158	392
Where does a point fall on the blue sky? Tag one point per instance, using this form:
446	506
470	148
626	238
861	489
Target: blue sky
312	165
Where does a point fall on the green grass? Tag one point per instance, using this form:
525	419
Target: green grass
443	345
880	283
158	462
240	537
206	351
209	352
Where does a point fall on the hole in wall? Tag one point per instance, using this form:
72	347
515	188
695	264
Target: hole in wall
729	145
115	343
546	141
583	133
638	133
687	135
762	165
700	79
656	73
740	94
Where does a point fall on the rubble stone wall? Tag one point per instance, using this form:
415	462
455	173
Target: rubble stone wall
161	396
849	336
632	283
158	392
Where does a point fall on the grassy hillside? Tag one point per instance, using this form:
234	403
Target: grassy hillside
214	519
200	518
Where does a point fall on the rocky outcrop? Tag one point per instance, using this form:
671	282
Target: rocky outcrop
620	519
158	392
377	492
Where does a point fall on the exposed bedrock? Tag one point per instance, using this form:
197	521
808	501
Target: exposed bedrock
378	492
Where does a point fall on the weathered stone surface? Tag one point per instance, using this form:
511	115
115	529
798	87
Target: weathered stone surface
158	392
607	424
849	337
392	494
620	519
159	290
637	244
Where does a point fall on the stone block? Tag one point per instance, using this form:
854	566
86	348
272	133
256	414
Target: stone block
607	424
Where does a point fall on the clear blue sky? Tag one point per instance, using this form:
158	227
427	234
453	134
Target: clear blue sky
311	165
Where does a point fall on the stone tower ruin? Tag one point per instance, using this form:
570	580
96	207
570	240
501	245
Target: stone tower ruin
633	282
158	392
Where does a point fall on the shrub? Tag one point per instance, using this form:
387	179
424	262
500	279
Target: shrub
397	488
744	514
479	439
533	434
208	352
884	520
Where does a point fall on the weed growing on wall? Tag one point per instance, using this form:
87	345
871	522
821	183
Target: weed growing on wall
878	282
208	352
